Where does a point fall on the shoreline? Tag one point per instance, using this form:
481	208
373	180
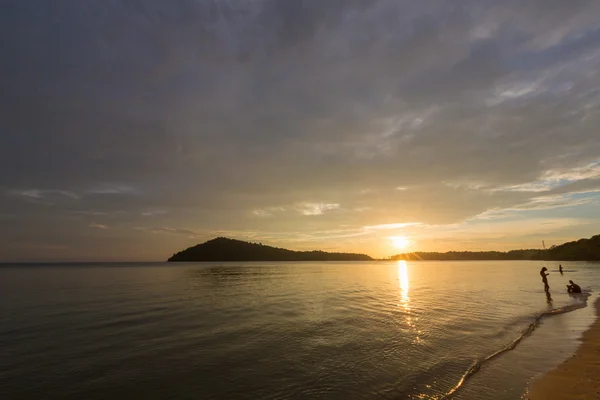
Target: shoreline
577	377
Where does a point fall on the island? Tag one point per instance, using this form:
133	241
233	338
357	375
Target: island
579	250
225	249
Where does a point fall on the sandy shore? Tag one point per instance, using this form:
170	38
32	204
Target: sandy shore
579	376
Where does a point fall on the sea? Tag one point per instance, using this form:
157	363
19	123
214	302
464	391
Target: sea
311	330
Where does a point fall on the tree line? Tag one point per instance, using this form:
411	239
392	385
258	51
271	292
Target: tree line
579	250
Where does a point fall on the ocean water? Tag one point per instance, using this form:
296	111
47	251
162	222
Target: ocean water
378	330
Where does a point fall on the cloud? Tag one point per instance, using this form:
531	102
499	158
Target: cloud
42	194
99	226
589	171
262	213
92	213
307	208
113	189
534	187
557	201
504	229
267	212
153	213
390	226
167	230
219	111
552	179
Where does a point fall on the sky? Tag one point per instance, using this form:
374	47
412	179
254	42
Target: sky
130	130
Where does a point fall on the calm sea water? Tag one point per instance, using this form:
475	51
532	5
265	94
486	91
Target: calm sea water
381	330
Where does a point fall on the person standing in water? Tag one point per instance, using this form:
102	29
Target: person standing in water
560	269
544	275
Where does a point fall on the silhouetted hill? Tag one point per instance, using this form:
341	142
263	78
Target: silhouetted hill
224	249
580	250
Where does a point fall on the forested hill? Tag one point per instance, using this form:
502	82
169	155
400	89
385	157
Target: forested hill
580	250
224	249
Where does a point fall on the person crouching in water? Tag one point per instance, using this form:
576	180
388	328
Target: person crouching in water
544	275
573	288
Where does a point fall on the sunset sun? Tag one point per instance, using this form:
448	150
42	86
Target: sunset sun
400	242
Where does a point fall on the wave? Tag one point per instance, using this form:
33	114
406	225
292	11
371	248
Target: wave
477	364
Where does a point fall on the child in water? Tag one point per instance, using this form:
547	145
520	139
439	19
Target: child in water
544	275
573	287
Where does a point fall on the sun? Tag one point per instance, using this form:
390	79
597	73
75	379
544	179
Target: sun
400	242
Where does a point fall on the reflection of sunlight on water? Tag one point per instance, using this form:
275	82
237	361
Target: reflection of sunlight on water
404	285
405	300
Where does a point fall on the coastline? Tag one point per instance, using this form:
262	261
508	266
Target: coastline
577	377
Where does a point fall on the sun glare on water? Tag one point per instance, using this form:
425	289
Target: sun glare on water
400	242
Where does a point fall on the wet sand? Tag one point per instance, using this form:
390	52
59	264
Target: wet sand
579	376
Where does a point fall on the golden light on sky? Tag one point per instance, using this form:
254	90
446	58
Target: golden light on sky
400	242
229	137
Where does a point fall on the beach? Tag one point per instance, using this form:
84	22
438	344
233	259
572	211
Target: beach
579	376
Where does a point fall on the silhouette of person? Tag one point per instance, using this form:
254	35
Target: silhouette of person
560	269
544	275
573	288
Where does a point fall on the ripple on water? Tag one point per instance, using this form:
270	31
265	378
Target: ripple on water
361	331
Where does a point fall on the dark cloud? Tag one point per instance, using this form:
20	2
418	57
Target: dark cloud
210	110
